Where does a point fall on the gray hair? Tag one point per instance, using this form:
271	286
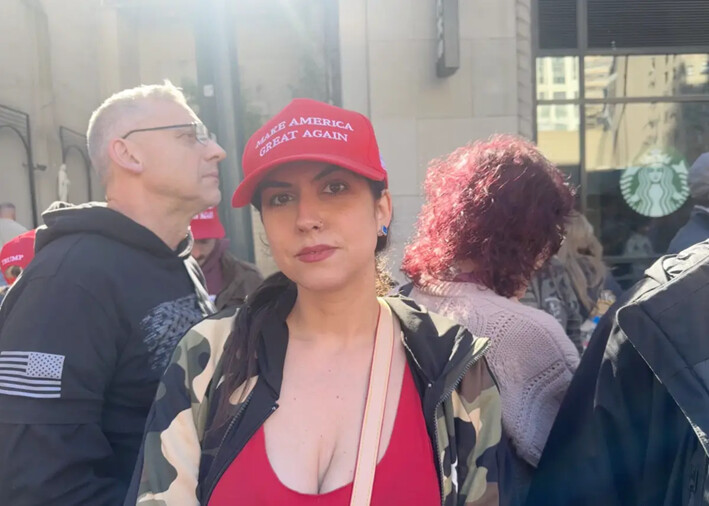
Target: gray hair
111	114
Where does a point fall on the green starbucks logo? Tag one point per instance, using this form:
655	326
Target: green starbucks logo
657	185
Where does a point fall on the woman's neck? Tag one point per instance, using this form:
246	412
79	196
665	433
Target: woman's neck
341	319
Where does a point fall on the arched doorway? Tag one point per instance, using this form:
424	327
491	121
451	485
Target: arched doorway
16	165
76	158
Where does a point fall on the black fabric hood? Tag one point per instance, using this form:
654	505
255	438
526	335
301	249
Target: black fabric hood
62	219
667	324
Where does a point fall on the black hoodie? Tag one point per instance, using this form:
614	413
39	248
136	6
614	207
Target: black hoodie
85	335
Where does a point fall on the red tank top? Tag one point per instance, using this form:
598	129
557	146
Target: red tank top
405	475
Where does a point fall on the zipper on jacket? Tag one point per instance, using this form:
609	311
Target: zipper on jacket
230	428
446	394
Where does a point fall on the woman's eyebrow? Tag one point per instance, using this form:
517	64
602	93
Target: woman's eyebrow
326	171
282	184
274	184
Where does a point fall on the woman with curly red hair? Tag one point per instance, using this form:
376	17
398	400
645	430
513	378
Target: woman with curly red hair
494	213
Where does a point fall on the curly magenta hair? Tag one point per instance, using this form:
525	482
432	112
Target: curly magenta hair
498	203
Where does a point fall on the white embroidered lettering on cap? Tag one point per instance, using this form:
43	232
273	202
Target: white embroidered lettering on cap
288	136
13	258
267	145
324	134
31	374
271	133
320	122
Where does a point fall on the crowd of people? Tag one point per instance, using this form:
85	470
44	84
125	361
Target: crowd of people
142	363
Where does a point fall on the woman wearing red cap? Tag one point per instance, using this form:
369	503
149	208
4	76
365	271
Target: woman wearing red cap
317	391
16	254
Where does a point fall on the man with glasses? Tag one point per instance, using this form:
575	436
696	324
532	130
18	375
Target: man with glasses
88	328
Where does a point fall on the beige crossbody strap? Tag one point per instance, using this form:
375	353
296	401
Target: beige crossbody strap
374	408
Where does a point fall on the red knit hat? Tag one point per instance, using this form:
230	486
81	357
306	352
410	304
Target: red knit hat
308	130
18	251
206	225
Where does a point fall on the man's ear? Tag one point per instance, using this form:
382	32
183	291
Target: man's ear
125	154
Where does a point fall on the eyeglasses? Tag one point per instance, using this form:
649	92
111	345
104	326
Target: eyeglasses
201	132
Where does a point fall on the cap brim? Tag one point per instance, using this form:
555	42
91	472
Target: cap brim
245	191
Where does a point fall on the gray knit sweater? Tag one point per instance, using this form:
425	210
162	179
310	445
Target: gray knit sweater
530	356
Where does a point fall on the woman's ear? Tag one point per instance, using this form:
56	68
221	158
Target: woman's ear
383	209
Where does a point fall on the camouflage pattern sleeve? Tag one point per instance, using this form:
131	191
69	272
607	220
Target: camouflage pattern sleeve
477	411
168	466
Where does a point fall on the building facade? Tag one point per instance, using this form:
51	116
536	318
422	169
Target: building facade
622	104
609	103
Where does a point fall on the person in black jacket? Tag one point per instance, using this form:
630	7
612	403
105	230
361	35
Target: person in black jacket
697	228
634	426
89	327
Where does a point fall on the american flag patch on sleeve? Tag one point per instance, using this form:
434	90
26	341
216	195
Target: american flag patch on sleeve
31	374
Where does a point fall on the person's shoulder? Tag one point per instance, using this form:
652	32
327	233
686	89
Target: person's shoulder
536	320
412	310
242	265
693	232
420	322
212	332
540	330
10	228
78	257
200	350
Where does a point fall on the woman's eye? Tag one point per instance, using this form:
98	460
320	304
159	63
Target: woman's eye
279	199
335	187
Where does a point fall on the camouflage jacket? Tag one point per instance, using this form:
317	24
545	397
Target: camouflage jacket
184	456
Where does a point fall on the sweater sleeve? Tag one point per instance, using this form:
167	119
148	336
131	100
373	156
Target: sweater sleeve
534	362
543	393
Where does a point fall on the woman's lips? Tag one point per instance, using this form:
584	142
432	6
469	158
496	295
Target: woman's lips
315	253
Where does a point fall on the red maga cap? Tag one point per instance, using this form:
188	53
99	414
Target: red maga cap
206	225
308	130
18	251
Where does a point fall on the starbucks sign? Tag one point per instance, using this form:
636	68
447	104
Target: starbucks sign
656	185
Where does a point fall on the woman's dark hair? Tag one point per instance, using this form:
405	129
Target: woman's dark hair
499	203
239	358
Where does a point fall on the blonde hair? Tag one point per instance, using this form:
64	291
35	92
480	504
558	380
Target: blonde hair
582	245
110	116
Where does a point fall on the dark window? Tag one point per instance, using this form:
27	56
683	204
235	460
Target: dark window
557	24
647	23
